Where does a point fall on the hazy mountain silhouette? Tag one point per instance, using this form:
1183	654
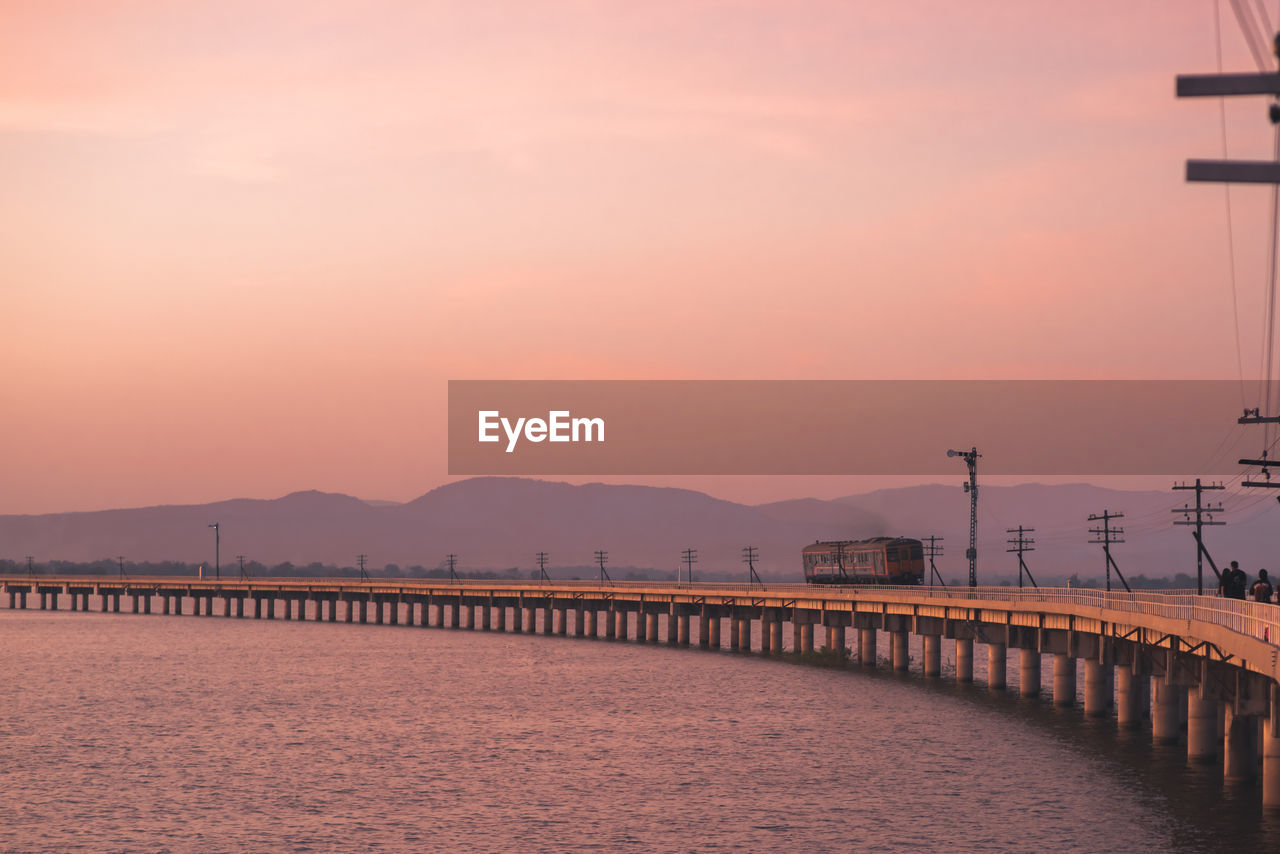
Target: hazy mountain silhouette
497	523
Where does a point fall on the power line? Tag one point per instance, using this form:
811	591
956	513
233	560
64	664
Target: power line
1021	544
1200	512
542	566
452	560
690	557
933	550
1108	535
749	558
364	576
602	557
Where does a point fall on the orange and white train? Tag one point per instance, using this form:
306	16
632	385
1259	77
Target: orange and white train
879	560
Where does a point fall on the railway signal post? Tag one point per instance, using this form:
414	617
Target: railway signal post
971	460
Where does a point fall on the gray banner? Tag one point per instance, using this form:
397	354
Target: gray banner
804	427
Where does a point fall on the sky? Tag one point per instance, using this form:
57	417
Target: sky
245	245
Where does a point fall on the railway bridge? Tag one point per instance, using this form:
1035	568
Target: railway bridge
1194	669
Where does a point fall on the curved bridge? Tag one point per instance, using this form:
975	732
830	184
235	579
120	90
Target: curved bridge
1191	667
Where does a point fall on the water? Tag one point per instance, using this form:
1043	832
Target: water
150	733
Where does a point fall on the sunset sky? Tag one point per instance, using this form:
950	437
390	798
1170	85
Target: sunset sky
246	245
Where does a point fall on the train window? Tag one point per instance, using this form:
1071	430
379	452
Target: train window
917	552
891	554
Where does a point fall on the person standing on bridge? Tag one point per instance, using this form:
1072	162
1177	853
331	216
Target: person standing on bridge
1227	581
1261	589
1240	581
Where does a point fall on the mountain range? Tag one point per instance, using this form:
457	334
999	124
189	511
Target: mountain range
500	523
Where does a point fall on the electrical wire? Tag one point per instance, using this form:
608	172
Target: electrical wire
1231	241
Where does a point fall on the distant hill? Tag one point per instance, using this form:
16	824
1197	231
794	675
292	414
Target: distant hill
498	523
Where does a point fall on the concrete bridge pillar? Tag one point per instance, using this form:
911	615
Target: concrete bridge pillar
482	617
53	601
1064	680
1131	698
165	604
704	629
13	598
867	646
134	597
1098	688
735	630
933	655
806	637
1240	747
454	613
580	621
288	609
548	619
835	638
713	631
744	634
673	635
1271	753
1029	672
350	613
1167	702
619	617
682	629
651	627
1202	728
901	654
240	607
964	660
528	620
105	603
500	614
775	636
208	605
562	621
997	666
115	602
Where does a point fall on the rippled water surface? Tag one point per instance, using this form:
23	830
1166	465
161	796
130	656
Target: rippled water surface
151	733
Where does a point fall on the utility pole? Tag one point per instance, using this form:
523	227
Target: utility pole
971	460
364	576
602	557
121	559
1244	172
1022	544
217	549
453	561
749	558
690	557
1200	512
243	577
1108	536
933	550
542	566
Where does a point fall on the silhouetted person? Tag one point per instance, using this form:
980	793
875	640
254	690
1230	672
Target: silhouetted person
1261	589
1227	581
1240	582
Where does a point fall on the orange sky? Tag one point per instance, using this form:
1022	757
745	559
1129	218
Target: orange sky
245	245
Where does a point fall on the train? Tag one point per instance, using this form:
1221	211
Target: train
879	560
